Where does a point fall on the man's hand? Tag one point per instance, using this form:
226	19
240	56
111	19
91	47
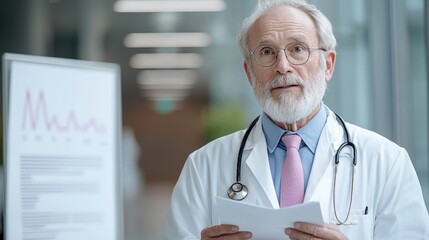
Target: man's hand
224	231
306	231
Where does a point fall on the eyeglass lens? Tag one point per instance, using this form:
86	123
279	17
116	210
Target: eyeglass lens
296	53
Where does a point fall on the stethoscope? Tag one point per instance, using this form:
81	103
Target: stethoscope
238	191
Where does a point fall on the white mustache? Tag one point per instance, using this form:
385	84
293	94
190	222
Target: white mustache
285	80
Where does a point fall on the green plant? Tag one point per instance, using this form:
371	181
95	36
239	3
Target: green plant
220	120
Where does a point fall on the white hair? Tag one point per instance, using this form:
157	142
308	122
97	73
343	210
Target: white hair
323	25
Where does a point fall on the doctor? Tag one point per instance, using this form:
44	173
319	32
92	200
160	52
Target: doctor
288	46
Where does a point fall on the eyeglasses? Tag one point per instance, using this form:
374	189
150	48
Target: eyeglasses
297	53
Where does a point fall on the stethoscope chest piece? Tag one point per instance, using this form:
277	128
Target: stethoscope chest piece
238	191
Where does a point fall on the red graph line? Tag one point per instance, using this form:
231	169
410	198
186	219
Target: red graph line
34	114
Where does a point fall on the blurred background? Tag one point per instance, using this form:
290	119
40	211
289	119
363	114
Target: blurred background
183	82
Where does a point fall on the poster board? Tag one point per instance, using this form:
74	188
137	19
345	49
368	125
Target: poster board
62	129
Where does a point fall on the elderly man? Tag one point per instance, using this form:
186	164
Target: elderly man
291	152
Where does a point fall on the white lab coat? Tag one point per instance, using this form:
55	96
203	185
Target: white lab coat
385	181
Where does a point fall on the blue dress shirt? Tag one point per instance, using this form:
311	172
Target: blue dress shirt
310	134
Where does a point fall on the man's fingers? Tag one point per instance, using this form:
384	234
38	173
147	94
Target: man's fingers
218	230
311	231
225	232
330	226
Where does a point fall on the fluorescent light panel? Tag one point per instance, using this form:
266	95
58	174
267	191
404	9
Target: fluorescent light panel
169	6
166	60
164	79
173	95
197	39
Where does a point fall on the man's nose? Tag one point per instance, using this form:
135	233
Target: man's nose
283	66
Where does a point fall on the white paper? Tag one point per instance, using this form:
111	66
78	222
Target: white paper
62	152
265	223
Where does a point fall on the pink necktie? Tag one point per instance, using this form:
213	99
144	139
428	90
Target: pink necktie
292	179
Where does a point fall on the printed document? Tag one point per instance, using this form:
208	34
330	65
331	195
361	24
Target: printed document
266	223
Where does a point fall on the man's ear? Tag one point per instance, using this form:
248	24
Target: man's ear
330	57
247	67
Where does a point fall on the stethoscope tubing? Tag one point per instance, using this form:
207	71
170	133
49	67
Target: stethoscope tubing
345	144
242	145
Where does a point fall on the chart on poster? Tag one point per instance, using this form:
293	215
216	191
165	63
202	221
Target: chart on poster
62	141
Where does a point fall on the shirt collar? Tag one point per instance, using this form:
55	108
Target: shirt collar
309	133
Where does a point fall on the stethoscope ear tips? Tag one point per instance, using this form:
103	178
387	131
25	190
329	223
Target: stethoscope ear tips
238	191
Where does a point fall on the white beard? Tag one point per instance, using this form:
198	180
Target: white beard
289	108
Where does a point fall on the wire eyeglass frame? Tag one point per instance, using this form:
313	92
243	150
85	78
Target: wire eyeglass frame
296	48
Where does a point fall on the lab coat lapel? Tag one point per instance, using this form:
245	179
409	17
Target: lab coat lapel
329	141
258	164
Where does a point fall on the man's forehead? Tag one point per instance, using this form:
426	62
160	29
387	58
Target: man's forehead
291	38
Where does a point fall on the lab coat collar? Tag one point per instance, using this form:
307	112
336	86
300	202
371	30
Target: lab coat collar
257	161
330	139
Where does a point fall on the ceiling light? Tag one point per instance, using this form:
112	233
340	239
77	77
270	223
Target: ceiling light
167	79
196	39
169	6
166	60
172	95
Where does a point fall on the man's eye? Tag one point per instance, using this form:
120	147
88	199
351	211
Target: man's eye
267	51
297	49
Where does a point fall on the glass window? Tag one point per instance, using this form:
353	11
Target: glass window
380	80
419	90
